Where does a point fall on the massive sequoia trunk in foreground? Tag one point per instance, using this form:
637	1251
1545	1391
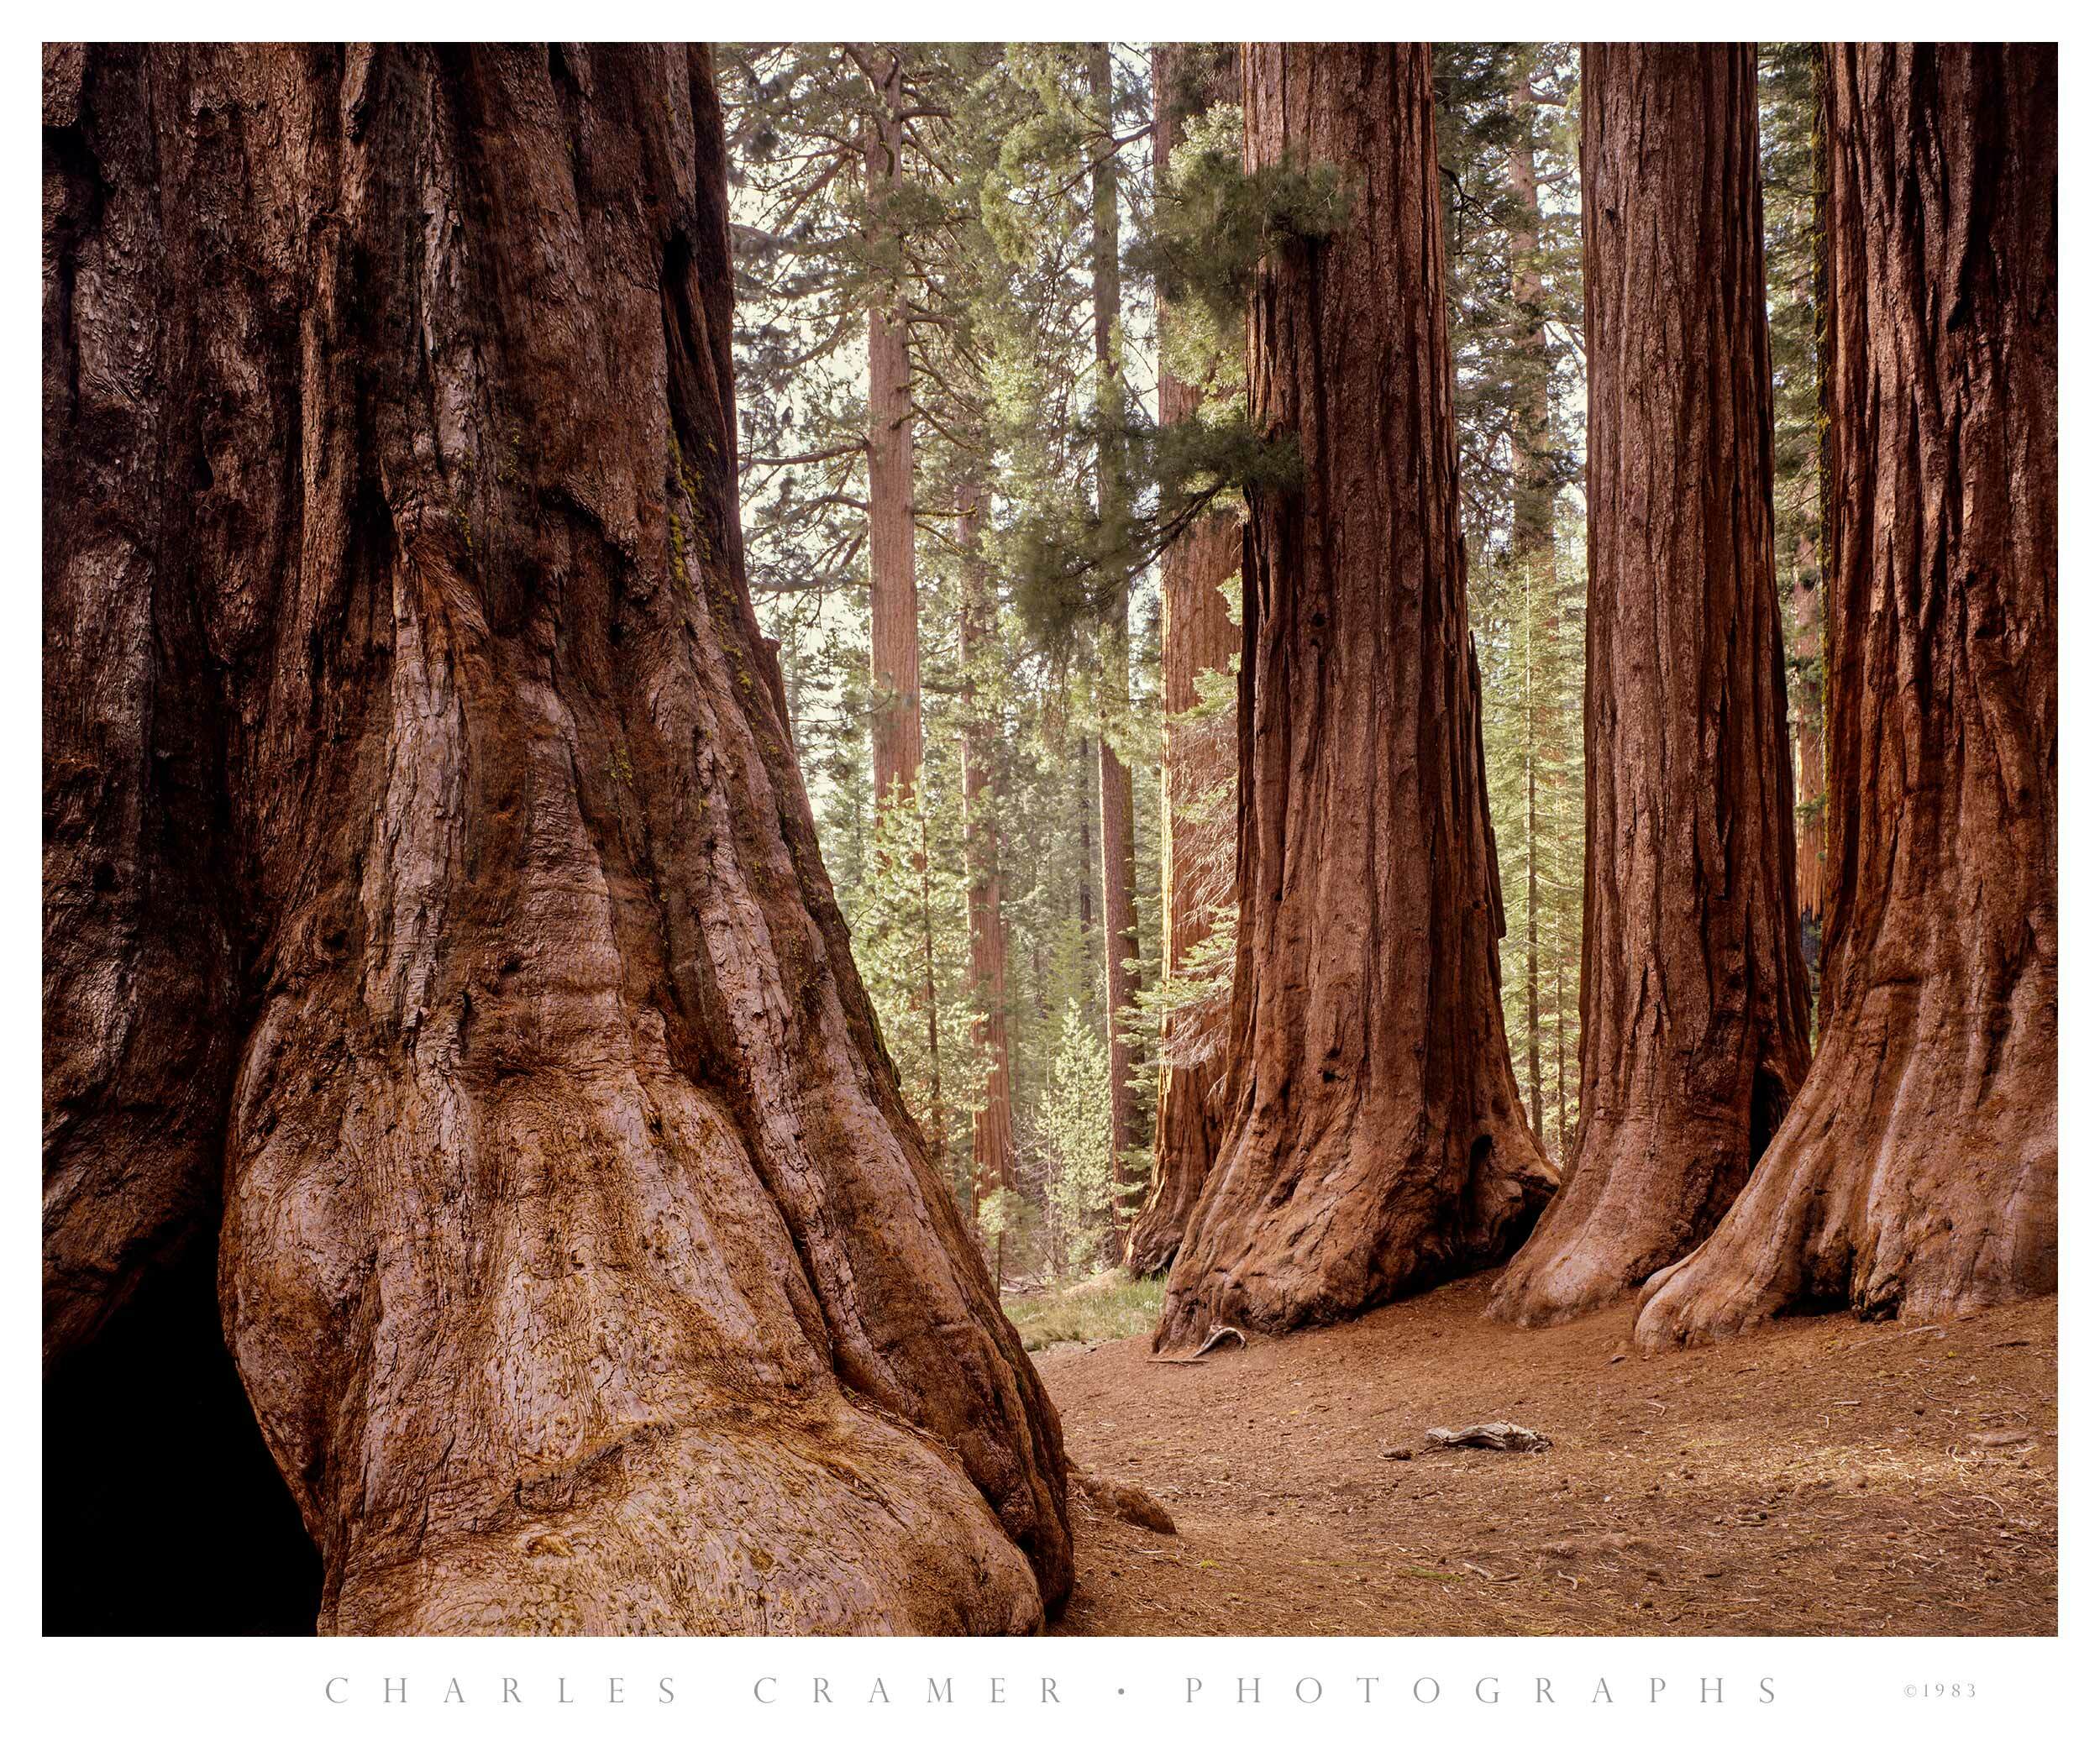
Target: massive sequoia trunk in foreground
425	852
1695	1008
1196	636
1916	1174
1376	1142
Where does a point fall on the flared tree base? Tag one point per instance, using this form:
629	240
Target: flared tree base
1344	1235
1914	1178
1645	1191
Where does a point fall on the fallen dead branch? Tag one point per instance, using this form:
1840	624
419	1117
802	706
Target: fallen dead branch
1498	1434
1220	1335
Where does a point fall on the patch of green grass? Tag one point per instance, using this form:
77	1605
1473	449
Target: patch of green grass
1110	1306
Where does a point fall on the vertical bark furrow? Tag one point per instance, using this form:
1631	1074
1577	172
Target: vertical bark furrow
141	941
1916	1173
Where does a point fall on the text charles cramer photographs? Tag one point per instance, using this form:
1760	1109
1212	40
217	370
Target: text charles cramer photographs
1421	1691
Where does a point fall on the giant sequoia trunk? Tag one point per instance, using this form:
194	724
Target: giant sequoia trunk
427	871
1196	636
1695	1010
1916	1173
1376	1142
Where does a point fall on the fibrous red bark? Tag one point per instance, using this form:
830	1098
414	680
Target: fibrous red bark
1376	1142
1196	636
1916	1173
1695	1010
581	1266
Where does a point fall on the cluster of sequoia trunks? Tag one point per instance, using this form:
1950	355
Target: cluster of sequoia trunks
1915	1172
434	918
1370	1141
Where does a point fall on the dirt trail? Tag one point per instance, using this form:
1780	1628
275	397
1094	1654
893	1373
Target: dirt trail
1823	1477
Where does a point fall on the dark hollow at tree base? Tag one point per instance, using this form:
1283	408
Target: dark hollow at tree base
163	1513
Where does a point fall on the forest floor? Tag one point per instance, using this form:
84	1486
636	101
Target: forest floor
1821	1476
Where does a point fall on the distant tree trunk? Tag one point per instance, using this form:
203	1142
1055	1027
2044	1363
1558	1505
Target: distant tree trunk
1089	772
1560	1052
893	593
1376	1143
1534	1088
1196	635
893	589
927	1002
1695	1013
1808	806
581	1266
1916	1174
1531	535
1119	840
992	1129
1531	434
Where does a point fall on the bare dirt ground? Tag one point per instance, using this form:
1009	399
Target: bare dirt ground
1823	1477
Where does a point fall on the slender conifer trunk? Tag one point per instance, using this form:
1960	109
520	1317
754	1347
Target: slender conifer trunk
992	1128
893	595
1196	636
1119	842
